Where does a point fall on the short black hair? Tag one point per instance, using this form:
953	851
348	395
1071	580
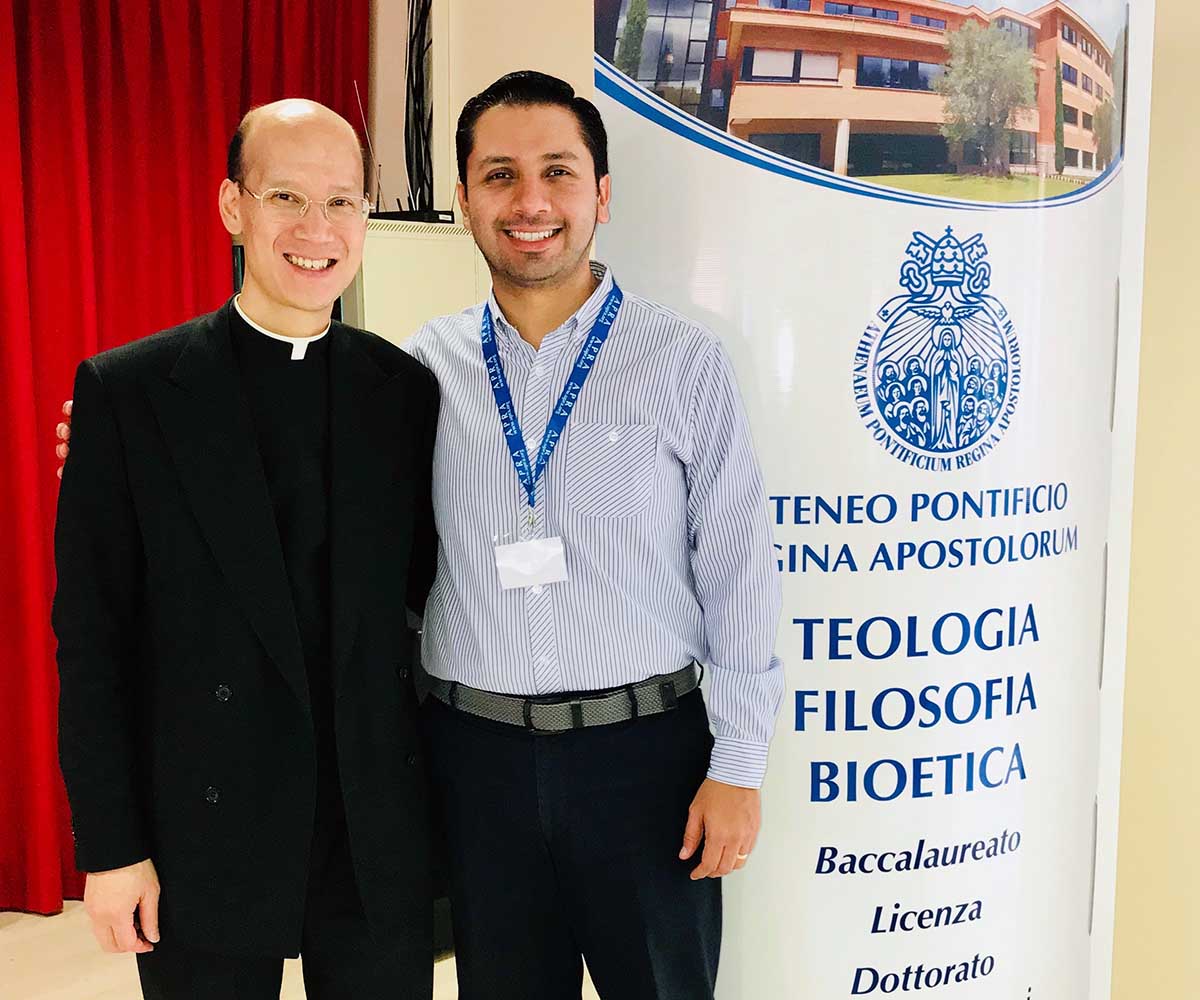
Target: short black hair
528	88
235	165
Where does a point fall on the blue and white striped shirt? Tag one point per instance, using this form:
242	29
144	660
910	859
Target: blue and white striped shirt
657	495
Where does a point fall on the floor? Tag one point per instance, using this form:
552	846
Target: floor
56	958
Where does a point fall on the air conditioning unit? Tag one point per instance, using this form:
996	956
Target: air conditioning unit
411	272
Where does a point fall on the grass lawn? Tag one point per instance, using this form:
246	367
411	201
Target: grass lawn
1021	187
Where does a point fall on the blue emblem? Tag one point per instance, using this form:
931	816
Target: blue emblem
936	377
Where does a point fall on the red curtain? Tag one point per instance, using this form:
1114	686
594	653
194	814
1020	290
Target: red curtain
114	118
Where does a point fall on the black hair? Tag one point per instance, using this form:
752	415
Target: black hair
235	166
528	88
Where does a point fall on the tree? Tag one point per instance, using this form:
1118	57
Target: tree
1119	59
1060	144
630	54
1105	129
988	76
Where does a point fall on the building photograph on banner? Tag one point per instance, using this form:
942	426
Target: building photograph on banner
917	95
904	222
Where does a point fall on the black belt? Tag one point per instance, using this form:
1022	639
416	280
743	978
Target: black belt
559	713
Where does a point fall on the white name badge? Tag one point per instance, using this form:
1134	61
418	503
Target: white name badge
532	563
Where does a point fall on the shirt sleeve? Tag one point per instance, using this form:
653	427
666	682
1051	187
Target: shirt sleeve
736	579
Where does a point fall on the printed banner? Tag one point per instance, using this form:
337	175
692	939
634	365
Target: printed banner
905	223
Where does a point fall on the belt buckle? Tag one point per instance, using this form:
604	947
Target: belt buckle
575	705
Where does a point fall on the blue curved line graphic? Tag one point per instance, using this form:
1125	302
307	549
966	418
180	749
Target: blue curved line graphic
614	84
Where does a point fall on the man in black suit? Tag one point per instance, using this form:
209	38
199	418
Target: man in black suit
244	518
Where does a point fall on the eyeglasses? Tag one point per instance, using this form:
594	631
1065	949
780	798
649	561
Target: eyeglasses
288	206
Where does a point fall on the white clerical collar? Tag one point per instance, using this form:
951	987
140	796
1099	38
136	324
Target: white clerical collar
299	344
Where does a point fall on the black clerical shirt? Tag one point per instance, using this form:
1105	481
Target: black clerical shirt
289	405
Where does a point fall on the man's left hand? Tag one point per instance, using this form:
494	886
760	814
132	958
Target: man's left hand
726	817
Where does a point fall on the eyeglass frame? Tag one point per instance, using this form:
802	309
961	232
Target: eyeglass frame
364	201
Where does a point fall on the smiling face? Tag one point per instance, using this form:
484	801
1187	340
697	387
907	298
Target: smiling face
532	199
296	267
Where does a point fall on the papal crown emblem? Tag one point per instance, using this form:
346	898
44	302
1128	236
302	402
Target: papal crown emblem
949	261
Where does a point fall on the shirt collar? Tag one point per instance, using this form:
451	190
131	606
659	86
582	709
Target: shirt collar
578	325
299	345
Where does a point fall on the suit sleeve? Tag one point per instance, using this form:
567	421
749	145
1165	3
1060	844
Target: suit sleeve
422	564
97	606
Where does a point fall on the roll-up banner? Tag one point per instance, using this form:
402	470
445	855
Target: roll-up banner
905	222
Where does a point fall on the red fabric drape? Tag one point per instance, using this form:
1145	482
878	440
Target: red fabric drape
114	118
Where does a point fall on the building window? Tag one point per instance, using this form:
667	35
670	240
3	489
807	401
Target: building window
819	66
671	63
857	10
786	4
928	22
1089	161
1022	31
1068	34
1022	148
722	47
874	154
1088	122
1087	83
902	74
770	65
1070	74
804	147
1099	93
1071	157
716	98
1070	115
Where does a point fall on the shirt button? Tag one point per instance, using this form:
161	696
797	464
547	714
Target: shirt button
404	673
212	795
614	437
411	759
536	590
223	693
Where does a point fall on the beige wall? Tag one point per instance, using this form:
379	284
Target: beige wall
1158	878
474	43
487	40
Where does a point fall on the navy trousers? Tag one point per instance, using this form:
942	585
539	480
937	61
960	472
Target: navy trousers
565	848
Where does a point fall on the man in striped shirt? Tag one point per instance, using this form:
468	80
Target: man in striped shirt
602	529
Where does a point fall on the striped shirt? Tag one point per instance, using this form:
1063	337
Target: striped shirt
656	493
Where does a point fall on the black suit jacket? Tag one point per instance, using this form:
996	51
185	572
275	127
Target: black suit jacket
185	725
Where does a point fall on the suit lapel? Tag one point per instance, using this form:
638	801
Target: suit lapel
366	404
206	420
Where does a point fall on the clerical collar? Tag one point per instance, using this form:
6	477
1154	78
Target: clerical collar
299	344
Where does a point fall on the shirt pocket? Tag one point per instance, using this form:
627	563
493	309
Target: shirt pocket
610	469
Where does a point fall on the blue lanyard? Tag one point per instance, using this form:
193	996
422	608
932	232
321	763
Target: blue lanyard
510	425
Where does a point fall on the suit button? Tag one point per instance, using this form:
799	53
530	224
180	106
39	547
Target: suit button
223	693
412	759
404	673
211	794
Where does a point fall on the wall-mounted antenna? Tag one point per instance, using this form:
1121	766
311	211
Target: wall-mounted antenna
370	149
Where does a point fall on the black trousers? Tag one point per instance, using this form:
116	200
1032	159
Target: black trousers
341	959
565	848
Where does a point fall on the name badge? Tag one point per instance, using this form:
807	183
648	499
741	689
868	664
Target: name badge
532	563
